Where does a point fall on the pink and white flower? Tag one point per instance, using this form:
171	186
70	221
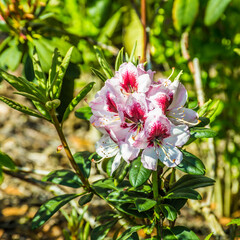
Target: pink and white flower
137	115
162	141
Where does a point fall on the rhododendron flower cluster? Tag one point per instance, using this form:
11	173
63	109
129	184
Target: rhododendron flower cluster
142	117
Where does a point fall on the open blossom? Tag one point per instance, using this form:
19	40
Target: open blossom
140	116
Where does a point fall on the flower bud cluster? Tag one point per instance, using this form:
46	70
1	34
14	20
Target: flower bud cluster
140	116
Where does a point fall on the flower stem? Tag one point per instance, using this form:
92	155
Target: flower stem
68	151
156	208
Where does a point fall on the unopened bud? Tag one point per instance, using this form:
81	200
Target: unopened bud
59	148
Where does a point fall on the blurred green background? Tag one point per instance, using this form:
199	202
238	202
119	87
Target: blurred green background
178	33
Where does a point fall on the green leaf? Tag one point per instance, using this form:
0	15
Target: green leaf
53	72
132	56
186	193
83	160
235	221
176	203
179	233
192	181
169	211
191	164
22	85
198	132
29	96
49	208
77	99
57	87
203	122
85	199
64	177
84	113
99	74
119	59
103	63
184	13
42	109
105	186
39	74
209	108
6	161
1	174
138	175
120	173
214	10
121	197
20	107
144	204
11	57
100	232
129	232
208	236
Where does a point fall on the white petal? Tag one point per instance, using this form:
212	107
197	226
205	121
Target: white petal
116	163
144	83
149	158
169	155
179	136
183	116
106	147
128	152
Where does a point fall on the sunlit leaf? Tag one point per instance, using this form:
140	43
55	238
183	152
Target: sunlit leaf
119	59
49	208
144	204
84	113
103	63
85	199
169	211
129	232
6	161
99	74
178	233
191	164
20	107
184	13
138	175
214	10
63	177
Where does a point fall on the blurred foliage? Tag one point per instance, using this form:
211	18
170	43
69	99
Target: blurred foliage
214	38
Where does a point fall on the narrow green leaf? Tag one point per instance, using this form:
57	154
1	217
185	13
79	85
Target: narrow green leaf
6	161
103	63
202	110
39	74
235	221
184	13
121	172
43	110
21	84
132	55
100	232
179	233
121	197
169	211
77	99
85	199
214	10
29	96
186	193
53	71
191	164
198	132
144	204
99	74
20	107
119	59
83	160
64	177
1	174
138	175
129	232
61	72
49	208
84	113
208	236
192	181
